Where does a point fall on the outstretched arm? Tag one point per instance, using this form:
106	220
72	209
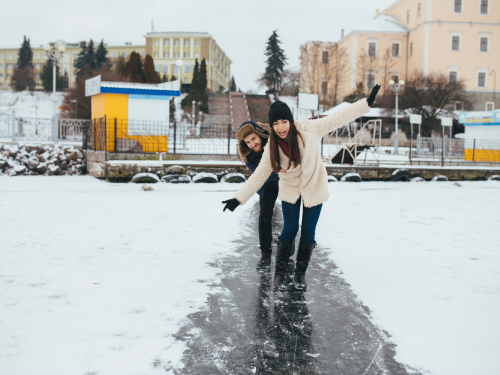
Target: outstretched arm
344	116
256	180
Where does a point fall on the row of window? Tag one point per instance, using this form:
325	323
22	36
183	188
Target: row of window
484	7
166	42
166	55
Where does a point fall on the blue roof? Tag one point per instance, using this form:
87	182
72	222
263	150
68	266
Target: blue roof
137	91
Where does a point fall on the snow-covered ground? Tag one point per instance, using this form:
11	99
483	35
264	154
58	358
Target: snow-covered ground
425	258
98	277
38	104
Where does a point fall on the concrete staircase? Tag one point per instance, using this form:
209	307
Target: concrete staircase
219	109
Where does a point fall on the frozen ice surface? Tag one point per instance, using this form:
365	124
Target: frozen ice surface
98	277
425	258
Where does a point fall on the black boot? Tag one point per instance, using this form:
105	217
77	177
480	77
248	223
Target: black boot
283	251
265	238
303	258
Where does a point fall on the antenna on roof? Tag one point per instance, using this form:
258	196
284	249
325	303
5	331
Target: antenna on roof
152	25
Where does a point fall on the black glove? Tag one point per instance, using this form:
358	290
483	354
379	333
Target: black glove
373	94
231	204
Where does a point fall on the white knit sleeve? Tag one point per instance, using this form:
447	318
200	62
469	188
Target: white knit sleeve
257	179
340	118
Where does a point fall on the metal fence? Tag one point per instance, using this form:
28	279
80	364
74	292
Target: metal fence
52	129
454	150
135	136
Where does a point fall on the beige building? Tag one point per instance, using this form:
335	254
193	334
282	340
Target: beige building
165	48
455	37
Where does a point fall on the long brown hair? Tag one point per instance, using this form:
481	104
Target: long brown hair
293	147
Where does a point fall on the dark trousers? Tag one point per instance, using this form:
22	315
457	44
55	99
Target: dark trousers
291	215
266	219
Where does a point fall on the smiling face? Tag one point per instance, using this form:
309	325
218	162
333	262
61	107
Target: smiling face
281	128
254	141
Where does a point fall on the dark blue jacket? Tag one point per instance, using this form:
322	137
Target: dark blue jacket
253	160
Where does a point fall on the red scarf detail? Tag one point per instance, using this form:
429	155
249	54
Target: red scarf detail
284	147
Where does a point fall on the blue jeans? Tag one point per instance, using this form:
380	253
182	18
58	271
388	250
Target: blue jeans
291	214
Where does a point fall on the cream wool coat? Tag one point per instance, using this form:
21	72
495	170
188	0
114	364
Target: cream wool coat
309	179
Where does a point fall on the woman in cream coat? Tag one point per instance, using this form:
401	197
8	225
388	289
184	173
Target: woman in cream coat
293	151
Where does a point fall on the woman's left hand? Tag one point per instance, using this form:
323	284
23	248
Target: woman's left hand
373	94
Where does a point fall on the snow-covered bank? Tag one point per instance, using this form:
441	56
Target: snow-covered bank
424	258
97	277
38	104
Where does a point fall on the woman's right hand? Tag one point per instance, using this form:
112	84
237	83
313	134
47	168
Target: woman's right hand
231	204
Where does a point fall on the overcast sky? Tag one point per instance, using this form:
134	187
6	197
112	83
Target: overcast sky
240	27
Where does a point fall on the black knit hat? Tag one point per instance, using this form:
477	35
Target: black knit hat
279	111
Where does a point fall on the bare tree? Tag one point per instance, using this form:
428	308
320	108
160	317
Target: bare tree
341	71
387	64
430	96
290	84
309	67
366	64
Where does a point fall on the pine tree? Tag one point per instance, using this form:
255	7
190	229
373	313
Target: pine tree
47	76
195	82
149	70
25	59
203	76
86	56
172	78
134	68
164	78
233	84
101	57
276	61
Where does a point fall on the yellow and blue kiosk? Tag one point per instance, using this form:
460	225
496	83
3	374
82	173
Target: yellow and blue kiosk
130	117
482	135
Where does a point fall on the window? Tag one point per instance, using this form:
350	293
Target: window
166	42
176	55
418	9
156	55
411	49
37	55
10	56
484	44
37	66
372	49
186	55
9	66
458	6
484	6
1	66
407	16
187	68
481	79
459	106
196	55
453	78
114	54
370	80
176	69
156	43
186	42
196	42
124	54
490	106
9	75
176	42
1	75
326	57
1	56
395	78
164	68
395	49
165	55
1	84
157	68
143	54
186	80
455	43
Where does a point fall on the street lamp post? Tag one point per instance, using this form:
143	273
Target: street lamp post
179	63
494	89
54	56
396	87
